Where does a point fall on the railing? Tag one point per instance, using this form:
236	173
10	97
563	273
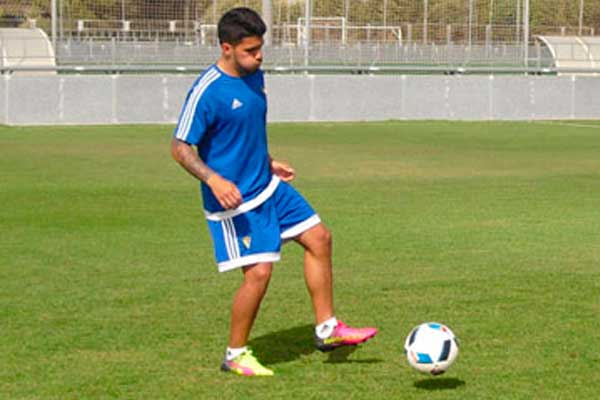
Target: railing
335	29
360	56
317	69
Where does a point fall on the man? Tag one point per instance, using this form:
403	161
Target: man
249	206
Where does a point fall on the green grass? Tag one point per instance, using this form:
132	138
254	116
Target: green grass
109	289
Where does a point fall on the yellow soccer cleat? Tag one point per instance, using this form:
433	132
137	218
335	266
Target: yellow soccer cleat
246	364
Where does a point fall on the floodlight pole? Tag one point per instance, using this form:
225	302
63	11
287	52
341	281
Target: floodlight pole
526	32
470	23
425	17
346	9
214	12
186	18
491	20
54	17
581	3
307	21
267	11
345	22
518	22
385	6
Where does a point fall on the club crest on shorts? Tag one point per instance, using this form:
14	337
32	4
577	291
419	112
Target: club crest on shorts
247	240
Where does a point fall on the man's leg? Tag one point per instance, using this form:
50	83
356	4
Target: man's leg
247	302
330	333
238	358
317	270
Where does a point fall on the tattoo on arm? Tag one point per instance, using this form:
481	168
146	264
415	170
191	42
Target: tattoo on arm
187	157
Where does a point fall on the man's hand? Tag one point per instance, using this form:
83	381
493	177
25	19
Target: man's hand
283	170
225	191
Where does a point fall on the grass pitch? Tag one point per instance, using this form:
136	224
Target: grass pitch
109	289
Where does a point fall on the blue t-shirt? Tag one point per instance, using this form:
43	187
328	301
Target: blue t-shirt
225	118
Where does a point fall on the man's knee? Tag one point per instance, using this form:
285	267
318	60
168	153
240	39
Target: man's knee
324	236
259	273
320	238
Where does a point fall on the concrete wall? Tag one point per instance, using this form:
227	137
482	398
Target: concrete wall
108	99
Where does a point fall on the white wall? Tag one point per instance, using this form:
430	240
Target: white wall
108	99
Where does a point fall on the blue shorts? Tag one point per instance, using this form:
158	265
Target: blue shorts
254	231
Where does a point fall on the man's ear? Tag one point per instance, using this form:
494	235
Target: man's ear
226	48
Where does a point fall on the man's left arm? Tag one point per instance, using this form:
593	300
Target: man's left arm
282	169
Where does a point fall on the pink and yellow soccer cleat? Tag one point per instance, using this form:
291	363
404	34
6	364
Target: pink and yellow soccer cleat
343	335
245	364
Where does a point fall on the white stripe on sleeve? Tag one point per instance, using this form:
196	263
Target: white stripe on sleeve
189	109
187	117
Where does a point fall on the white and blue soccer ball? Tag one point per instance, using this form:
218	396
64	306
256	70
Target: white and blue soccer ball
431	348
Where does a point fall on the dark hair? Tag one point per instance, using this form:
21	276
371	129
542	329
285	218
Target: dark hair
239	23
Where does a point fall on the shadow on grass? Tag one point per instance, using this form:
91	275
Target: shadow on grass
340	356
439	383
284	346
291	344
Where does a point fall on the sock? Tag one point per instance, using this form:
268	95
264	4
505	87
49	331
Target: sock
230	354
325	328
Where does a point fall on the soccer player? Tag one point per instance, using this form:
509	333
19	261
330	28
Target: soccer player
250	207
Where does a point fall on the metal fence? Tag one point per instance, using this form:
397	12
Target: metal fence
360	55
309	33
291	21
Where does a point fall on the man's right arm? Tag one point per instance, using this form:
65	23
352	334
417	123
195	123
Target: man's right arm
225	191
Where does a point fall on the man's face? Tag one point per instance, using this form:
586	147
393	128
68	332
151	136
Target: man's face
247	54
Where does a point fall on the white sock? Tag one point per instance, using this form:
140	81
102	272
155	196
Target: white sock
325	328
230	354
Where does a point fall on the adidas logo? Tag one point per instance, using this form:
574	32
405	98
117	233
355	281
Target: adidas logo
236	104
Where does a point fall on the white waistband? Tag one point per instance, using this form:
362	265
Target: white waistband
247	206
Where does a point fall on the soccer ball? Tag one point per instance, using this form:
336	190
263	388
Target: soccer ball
431	348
